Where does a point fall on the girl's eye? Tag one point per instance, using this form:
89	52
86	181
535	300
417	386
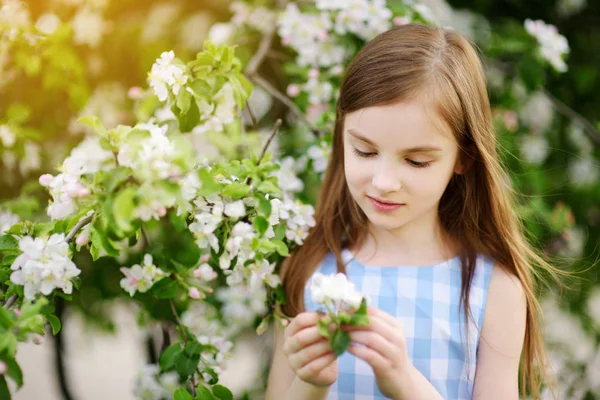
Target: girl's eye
362	153
418	164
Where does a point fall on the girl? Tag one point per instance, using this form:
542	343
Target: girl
415	210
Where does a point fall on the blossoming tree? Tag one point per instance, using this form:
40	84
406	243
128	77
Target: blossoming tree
185	196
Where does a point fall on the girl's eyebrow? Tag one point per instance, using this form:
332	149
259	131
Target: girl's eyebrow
417	149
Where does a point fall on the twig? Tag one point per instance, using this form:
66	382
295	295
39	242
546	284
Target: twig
264	46
569	112
10	301
185	339
145	236
275	129
80	224
285	100
252	116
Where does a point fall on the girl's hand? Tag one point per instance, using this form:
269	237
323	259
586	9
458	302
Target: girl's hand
383	346
309	354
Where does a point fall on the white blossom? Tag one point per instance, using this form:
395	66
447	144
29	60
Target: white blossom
218	114
88	27
150	385
7	136
31	160
534	148
140	278
88	157
583	171
7	220
319	154
286	176
205	272
553	46
47	23
221	33
44	265
335	292
537	112
160	19
235	209
166	76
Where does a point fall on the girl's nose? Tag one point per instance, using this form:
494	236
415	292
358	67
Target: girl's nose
385	180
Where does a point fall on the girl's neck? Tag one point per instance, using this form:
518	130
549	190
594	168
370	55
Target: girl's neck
423	244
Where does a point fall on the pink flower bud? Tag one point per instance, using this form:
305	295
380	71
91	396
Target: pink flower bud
194	293
401	21
205	258
46	179
3	368
82	239
135	92
161	211
322	35
285	322
286	41
293	90
38	339
17	312
313	73
83	192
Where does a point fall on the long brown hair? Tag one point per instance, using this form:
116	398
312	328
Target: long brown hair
476	207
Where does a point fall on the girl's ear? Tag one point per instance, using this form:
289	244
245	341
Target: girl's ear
465	160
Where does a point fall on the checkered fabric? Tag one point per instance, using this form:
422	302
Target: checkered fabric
426	300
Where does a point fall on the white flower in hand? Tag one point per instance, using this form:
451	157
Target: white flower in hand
335	291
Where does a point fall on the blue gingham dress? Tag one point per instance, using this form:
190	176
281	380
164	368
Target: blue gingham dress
426	300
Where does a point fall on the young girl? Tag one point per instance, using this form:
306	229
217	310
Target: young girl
415	210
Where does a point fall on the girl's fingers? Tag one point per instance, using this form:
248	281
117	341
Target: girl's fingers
372	357
377	324
373	311
374	341
309	353
317	365
301	321
301	339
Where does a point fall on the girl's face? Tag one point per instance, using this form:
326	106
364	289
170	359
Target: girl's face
398	162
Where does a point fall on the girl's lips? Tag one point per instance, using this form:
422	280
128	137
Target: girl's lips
385	206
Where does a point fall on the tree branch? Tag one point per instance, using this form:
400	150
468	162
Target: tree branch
82	222
185	339
275	129
285	100
574	115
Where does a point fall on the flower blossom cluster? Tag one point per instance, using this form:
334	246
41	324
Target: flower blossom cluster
553	46
150	385
218	114
44	265
214	359
140	278
335	292
7	219
65	188
167	76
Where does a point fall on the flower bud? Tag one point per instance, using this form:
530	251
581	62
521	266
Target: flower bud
293	90
205	258
313	73
322	35
135	92
82	239
161	211
3	368
46	179
401	21
194	293
38	339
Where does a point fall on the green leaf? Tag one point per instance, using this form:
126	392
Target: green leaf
8	343
184	100
94	123
261	225
323	328
122	209
268	187
4	392
182	394
55	323
209	186
262	327
166	288
359	320
193	347
236	190
187	120
29	310
186	365
339	342
8	242
222	392
6	319
168	357
264	205
14	371
202	393
281	248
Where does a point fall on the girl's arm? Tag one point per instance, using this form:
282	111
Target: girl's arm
283	384
502	337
